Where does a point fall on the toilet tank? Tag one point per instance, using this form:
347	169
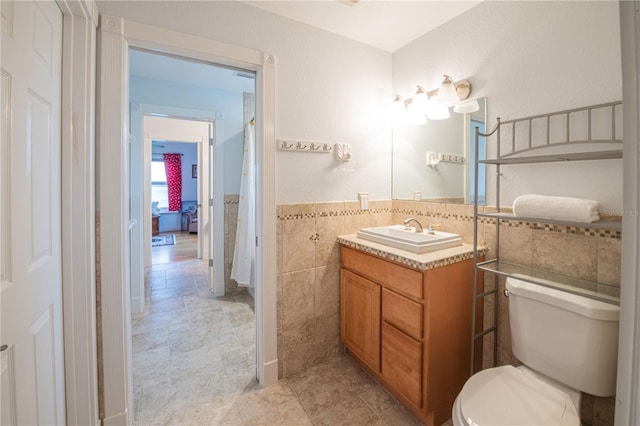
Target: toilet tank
572	339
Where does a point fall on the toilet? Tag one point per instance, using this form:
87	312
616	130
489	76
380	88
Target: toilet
567	343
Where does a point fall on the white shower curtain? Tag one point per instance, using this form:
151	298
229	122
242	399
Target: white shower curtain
243	266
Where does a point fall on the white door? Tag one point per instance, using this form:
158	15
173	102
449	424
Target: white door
31	294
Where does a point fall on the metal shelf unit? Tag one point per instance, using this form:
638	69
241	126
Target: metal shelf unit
585	152
554	158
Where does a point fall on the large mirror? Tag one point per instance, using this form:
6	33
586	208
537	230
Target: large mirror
435	161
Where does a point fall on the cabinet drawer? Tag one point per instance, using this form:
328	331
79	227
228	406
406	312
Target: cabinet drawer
402	312
399	278
402	363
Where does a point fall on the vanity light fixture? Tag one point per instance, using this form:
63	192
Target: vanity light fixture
437	110
420	101
447	93
462	90
435	103
414	116
467	107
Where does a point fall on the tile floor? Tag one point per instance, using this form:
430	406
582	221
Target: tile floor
194	364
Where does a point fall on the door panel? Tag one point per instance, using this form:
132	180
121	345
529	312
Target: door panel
31	296
360	317
8	388
39	182
5	172
43	340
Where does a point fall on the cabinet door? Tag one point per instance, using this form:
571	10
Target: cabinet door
360	317
402	363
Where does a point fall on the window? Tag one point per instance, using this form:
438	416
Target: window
159	190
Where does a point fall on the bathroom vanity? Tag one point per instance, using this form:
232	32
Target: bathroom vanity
406	318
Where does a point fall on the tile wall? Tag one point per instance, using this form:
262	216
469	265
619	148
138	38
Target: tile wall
308	272
308	281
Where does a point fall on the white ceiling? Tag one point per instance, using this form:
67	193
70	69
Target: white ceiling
385	24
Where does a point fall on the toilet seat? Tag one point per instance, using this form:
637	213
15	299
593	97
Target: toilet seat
512	396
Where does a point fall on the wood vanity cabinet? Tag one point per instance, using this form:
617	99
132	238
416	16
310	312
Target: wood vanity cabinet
410	329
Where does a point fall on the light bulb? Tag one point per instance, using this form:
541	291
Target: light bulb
467	107
447	94
437	111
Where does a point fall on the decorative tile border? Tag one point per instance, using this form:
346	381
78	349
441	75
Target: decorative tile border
561	229
231	198
412	263
330	214
538	226
410	212
356	212
578	230
297	216
313	215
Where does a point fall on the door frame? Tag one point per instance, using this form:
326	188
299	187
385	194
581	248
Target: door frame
628	384
80	21
169	112
116	36
140	210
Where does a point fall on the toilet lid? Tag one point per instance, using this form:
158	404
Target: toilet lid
509	396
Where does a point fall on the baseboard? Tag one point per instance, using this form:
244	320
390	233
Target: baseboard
119	419
170	229
270	373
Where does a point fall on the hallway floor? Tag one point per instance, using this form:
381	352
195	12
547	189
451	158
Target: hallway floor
194	364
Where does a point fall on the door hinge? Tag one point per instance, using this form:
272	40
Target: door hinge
210	141
210	202
211	263
256	241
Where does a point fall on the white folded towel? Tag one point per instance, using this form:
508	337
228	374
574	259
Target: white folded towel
557	208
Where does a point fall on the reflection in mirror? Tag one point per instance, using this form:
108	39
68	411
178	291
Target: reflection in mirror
435	161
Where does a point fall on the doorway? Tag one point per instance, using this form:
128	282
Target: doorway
152	229
191	341
175	236
117	35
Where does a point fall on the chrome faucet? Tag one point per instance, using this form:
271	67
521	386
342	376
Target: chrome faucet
432	229
418	224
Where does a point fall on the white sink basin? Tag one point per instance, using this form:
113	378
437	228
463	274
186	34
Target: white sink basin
415	242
